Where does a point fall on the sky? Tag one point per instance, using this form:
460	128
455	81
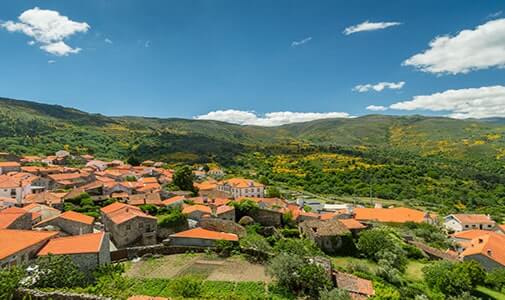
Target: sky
257	62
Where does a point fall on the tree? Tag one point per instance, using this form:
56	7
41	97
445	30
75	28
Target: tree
299	275
9	281
57	271
453	279
183	179
273	192
496	279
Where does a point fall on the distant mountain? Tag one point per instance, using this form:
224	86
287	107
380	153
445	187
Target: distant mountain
34	128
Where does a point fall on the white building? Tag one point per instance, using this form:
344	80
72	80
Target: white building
13	188
240	187
461	222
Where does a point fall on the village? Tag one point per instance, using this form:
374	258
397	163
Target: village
105	212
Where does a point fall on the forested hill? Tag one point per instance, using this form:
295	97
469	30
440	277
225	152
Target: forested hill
34	128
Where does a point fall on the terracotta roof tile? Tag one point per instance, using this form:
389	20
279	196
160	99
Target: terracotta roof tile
490	245
389	215
352	224
192	208
200	233
474	219
78	244
354	284
13	241
10	215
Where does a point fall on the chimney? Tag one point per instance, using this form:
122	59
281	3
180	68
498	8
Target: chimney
481	241
489	253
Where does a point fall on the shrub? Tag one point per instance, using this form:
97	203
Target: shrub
187	287
57	272
334	294
496	279
9	281
302	247
149	208
453	279
256	247
173	219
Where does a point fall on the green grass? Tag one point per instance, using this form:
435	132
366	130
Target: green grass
414	271
344	261
487	293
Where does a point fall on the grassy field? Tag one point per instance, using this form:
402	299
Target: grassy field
207	267
486	293
414	271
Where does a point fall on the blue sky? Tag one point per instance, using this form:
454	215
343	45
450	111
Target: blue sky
189	58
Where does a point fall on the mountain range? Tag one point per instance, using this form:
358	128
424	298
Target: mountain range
34	128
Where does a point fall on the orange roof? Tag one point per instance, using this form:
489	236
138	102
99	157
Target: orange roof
192	208
120	213
242	183
389	215
44	197
78	244
474	219
206	185
9	164
491	245
200	233
9	182
352	224
173	200
224	209
469	234
354	284
9	215
71	216
13	241
77	217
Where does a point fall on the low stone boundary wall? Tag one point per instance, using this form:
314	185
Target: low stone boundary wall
33	294
158	249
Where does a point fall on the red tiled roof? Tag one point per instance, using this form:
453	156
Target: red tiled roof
474	219
242	183
78	244
9	164
173	200
354	284
120	213
490	245
200	233
71	216
192	208
10	215
224	209
13	241
469	234
352	224
389	215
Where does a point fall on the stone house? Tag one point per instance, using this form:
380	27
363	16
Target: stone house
20	246
225	212
15	218
197	212
358	288
461	222
328	235
199	237
41	212
267	217
9	166
69	223
87	251
487	249
14	188
128	225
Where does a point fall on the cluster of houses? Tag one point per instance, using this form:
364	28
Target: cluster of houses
34	190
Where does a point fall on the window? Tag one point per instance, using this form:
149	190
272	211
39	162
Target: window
13	193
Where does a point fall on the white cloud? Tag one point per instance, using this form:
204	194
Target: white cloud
481	48
378	87
376	108
51	61
147	44
48	28
108	41
269	119
369	26
301	42
480	102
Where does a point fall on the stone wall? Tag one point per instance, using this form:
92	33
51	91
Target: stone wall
24	222
223	226
131	231
267	217
70	227
158	249
33	294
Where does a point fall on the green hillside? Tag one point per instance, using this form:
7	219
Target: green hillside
434	162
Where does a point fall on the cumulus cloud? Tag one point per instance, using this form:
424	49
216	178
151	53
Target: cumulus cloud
51	61
480	48
47	28
108	41
369	26
480	102
378	87
301	42
376	108
269	119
